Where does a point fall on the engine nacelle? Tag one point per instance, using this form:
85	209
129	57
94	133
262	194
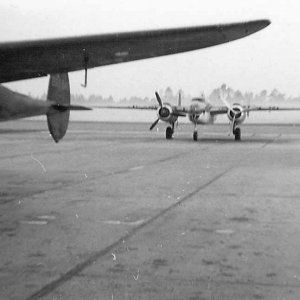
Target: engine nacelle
236	113
165	113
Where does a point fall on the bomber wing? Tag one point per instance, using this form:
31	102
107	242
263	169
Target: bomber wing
218	110
151	107
178	111
182	111
270	108
29	59
223	109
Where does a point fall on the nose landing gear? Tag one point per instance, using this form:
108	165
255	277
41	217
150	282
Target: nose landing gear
195	134
237	132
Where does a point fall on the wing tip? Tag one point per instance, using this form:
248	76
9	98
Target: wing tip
257	25
264	23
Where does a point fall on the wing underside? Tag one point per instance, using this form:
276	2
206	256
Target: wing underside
29	59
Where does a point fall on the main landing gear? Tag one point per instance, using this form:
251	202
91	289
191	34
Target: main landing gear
237	132
169	132
195	134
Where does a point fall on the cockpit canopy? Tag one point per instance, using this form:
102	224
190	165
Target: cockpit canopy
199	99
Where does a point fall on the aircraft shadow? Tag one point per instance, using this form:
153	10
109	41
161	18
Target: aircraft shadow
16	131
250	140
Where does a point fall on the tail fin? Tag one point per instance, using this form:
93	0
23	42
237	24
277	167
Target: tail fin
59	94
179	98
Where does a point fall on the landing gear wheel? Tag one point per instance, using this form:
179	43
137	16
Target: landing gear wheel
237	134
195	136
169	133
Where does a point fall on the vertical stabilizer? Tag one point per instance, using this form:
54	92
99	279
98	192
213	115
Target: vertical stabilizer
179	98
59	95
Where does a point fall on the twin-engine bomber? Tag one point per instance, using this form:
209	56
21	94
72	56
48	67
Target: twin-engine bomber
201	112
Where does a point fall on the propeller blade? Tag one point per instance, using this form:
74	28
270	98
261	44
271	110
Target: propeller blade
154	124
232	123
248	111
227	104
158	99
224	100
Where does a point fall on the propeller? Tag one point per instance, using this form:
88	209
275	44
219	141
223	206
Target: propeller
160	104
232	123
154	124
223	98
158	99
179	104
248	107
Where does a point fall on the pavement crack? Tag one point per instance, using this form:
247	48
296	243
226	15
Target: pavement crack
271	141
94	176
50	287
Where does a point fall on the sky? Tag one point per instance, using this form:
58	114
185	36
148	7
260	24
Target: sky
266	60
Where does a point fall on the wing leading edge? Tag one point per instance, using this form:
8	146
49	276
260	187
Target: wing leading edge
223	109
29	59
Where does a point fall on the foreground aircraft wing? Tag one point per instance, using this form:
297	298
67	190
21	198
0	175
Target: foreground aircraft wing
29	59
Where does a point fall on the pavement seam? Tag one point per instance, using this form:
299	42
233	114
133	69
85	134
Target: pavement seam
271	141
50	287
94	176
26	155
209	280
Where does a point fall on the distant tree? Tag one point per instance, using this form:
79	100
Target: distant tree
248	98
169	96
276	96
78	98
238	97
261	97
109	100
223	87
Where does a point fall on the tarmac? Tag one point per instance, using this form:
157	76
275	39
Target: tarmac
115	211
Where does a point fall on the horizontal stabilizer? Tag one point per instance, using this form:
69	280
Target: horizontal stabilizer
127	107
69	107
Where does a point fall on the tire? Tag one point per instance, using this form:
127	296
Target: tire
237	134
195	136
169	133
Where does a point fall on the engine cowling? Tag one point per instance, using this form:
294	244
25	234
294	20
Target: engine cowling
165	113
236	113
